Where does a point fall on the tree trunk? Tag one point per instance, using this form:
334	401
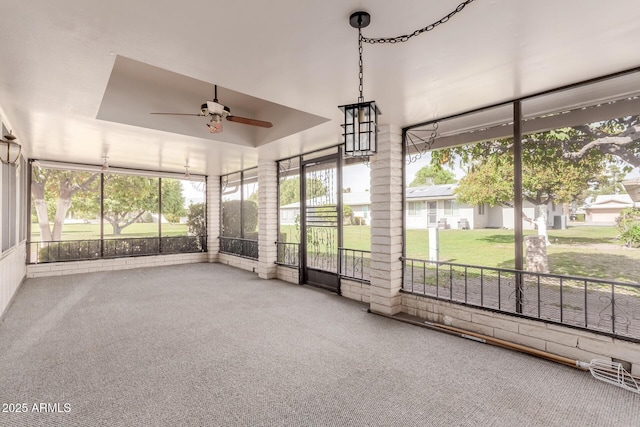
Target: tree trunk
541	223
42	212
64	203
116	228
43	219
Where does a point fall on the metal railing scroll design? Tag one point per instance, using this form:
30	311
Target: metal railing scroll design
603	306
355	264
288	254
89	249
246	248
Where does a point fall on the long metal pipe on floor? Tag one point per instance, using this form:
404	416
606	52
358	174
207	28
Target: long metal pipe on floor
491	340
607	371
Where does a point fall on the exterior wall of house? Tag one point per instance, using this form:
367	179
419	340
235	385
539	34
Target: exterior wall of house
480	217
503	216
572	343
288	215
415	220
605	216
13	270
362	211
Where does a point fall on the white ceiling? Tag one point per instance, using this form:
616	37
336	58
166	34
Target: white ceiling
57	58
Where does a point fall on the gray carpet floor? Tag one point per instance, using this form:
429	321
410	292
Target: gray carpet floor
207	344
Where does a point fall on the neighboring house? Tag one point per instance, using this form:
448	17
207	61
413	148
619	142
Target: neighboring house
436	206
606	208
359	202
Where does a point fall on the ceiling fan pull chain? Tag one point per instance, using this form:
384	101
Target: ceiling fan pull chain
406	37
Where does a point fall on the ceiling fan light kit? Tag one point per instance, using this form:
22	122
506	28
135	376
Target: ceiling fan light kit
9	149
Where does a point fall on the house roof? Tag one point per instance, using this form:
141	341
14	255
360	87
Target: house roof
633	188
442	191
611	201
79	78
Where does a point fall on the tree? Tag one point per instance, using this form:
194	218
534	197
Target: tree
53	187
558	165
127	198
433	175
290	190
172	200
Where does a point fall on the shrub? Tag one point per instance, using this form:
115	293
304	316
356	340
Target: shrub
231	217
69	251
629	226
358	221
196	220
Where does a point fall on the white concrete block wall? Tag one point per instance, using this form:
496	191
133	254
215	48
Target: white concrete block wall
355	290
12	272
267	218
213	217
238	262
288	274
77	267
556	339
386	222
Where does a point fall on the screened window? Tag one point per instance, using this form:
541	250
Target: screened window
451	208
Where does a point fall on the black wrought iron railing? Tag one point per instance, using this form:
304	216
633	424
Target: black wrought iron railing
355	264
597	305
80	250
246	248
288	254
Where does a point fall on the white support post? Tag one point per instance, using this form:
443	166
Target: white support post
267	218
213	217
386	222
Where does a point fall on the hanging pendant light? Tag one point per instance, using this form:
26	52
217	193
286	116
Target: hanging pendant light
360	122
9	149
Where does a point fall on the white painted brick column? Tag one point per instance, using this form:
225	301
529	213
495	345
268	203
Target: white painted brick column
267	218
213	217
386	222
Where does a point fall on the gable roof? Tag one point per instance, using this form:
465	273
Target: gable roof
611	201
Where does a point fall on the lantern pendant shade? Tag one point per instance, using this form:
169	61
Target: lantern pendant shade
9	150
360	128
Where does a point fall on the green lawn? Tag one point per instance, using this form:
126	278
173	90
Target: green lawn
579	250
590	251
92	231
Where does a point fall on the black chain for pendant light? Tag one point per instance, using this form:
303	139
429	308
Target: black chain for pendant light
406	37
361	74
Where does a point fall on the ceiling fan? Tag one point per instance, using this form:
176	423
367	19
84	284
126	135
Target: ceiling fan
216	112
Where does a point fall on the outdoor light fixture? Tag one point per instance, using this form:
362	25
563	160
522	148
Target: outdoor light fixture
360	125
9	149
361	119
105	164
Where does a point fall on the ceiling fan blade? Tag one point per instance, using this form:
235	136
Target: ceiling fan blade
180	114
251	122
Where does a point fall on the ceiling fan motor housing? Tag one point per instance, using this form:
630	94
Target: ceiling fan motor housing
214	108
